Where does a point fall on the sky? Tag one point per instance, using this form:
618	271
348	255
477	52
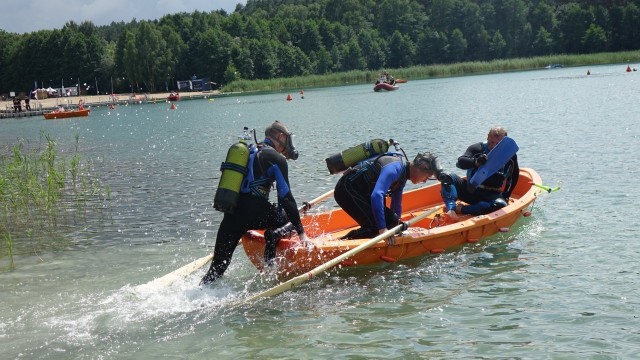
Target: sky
33	15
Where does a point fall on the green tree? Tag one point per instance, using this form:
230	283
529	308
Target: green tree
511	20
352	55
323	63
241	59
231	74
497	46
264	58
573	24
432	48
457	46
401	51
629	29
543	43
373	49
594	39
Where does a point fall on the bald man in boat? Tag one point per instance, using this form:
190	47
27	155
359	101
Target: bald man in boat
493	193
362	190
254	211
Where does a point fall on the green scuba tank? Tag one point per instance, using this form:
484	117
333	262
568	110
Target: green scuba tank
342	161
234	169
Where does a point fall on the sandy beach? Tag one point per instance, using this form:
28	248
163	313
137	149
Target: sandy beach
89	100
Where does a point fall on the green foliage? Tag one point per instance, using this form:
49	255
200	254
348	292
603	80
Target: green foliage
40	190
268	39
429	71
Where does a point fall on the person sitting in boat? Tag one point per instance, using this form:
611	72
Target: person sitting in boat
60	108
382	78
268	164
391	80
493	193
362	190
80	104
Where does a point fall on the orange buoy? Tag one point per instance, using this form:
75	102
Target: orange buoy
526	214
436	251
289	97
387	258
301	92
473	240
173	107
628	68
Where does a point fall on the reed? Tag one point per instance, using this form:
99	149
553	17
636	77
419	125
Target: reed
431	71
39	190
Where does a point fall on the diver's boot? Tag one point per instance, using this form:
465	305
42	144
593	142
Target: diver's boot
360	233
272	237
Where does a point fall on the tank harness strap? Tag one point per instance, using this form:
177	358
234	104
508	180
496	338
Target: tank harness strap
370	164
234	167
248	178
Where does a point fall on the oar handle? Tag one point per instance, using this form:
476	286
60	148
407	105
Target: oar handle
304	277
307	205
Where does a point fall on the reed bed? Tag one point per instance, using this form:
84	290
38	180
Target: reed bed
431	71
42	192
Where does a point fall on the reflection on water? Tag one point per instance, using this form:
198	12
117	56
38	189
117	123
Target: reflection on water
538	289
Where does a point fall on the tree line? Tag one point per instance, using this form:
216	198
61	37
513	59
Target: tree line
267	39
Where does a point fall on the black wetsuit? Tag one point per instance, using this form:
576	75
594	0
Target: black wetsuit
490	194
361	193
254	211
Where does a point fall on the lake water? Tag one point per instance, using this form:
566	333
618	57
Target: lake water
563	283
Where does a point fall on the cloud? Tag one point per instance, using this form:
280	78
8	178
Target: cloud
29	16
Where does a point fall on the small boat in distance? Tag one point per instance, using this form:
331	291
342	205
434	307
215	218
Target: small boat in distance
432	235
173	97
57	114
383	86
554	66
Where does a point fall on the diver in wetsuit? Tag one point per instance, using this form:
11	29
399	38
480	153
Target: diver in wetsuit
362	190
254	211
493	193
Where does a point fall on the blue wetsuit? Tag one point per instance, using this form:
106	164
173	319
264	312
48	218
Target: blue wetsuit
362	190
491	195
254	211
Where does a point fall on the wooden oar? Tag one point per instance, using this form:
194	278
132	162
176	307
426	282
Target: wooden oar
288	285
190	268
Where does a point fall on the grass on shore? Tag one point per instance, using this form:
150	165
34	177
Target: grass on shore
431	71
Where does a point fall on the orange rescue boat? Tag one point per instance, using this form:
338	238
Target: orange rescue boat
434	234
66	114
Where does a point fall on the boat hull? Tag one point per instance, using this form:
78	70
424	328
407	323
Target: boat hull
384	87
434	234
66	114
173	98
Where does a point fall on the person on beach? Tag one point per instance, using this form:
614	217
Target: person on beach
17	106
362	190
493	193
254	211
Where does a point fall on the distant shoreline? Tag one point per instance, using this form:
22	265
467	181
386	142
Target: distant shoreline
39	107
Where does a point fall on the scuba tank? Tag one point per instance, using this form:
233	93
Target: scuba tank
342	161
234	169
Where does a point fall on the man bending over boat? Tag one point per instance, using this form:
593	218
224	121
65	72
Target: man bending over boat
254	211
362	190
493	193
